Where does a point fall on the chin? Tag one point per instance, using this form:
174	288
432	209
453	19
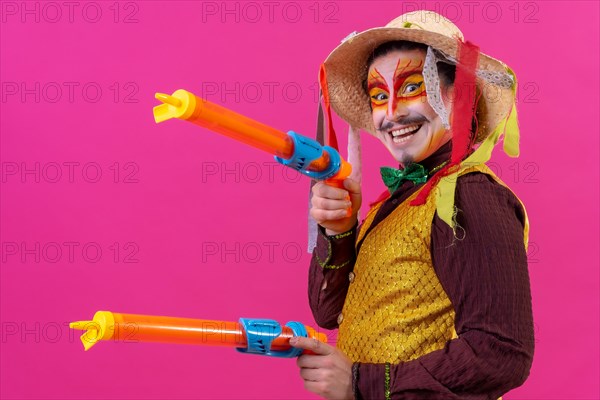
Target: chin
403	158
417	152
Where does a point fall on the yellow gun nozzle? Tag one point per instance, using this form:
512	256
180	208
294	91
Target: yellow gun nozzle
181	104
168	99
102	327
80	325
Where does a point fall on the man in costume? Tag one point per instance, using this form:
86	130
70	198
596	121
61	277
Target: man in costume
431	293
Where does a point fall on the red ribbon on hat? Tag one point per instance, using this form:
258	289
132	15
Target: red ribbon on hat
331	139
463	112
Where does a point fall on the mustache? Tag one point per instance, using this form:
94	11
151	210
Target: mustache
389	125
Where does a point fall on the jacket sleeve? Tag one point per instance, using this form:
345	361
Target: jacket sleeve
332	261
484	273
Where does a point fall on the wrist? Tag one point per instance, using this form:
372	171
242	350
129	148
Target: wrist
336	234
331	233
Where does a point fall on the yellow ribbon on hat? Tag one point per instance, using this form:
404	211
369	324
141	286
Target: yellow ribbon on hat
446	188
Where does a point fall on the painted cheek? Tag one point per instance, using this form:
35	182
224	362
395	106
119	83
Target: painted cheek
379	108
378	113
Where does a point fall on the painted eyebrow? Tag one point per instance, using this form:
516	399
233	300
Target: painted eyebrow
403	72
377	80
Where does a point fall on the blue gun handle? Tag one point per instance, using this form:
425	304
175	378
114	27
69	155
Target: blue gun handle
307	150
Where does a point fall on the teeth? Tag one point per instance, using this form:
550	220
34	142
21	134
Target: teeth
401	139
403	131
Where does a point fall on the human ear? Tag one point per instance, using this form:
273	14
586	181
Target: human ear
447	92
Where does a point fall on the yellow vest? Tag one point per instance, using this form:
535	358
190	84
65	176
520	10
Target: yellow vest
396	309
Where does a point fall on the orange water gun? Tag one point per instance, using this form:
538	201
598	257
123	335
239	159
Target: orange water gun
254	336
303	154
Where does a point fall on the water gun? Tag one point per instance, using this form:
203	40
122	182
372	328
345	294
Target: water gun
254	336
299	152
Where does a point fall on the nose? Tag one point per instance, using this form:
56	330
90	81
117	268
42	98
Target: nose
396	110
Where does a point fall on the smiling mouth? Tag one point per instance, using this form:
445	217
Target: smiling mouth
402	135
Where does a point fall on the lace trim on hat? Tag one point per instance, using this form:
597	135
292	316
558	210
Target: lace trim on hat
432	81
502	79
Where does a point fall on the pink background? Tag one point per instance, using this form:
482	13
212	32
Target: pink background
165	199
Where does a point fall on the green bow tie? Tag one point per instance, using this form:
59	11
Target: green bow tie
393	177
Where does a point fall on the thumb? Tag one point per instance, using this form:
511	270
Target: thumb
311	344
354	189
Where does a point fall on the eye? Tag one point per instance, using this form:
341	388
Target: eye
412	87
378	96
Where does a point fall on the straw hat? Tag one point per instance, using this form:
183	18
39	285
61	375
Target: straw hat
346	69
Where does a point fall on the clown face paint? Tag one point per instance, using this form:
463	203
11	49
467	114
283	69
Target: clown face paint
405	122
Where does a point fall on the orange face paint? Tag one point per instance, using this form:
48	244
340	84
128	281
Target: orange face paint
378	89
397	93
408	84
